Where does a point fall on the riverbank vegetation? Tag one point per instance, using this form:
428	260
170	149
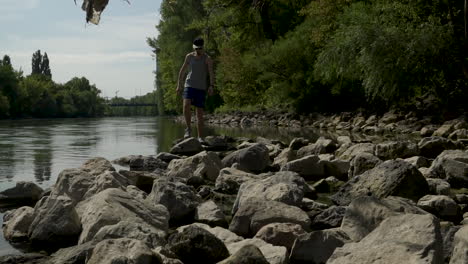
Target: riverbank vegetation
37	95
325	56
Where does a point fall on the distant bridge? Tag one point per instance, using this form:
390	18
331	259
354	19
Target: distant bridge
131	104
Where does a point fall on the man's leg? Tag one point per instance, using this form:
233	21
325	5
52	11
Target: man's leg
188	113
200	121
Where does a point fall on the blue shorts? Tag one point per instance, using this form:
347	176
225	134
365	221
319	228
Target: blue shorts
197	96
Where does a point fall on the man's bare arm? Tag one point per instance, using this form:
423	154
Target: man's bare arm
182	71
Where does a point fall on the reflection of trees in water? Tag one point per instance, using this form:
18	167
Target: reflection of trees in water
42	154
167	131
7	161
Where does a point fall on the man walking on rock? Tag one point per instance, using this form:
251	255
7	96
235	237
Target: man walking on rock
199	66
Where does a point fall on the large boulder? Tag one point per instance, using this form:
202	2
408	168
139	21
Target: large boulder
189	146
396	149
24	193
286	187
365	213
230	179
317	246
431	147
248	254
209	213
280	234
460	249
112	206
254	158
310	167
392	177
150	235
180	200
16	223
408	238
205	165
122	250
361	163
56	223
194	244
273	254
451	165
97	166
442	206
254	213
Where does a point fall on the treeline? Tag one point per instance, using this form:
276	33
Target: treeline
319	55
135	106
37	95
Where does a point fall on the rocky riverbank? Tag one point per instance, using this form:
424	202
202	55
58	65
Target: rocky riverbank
233	200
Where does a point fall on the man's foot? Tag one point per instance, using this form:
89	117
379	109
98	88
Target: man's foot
187	133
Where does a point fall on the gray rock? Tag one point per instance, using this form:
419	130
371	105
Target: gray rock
205	165
438	186
56	223
442	206
431	147
356	149
254	158
396	149
286	187
451	165
141	179
97	166
28	258
309	167
17	226
230	179
338	168
73	255
110	207
136	192
392	177
329	218
419	161
151	236
180	200
408	238
222	234
428	130
460	249
209	213
361	163
146	163
298	143
253	214
122	250
248	254
273	254
24	193
216	143
284	157
448	230
280	234
459	134
342	140
444	130
321	146
318	246
188	147
194	244
365	213
167	157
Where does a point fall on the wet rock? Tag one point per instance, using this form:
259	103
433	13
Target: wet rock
16	223
205	165
209	213
189	146
431	147
286	187
442	206
451	165
254	158
180	200
460	250
122	250
248	254
392	177
56	223
280	234
194	244
309	167
361	163
408	238
329	218
253	214
24	193
112	206
318	246
396	149
365	213
273	254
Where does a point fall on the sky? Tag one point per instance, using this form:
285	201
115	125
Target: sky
112	55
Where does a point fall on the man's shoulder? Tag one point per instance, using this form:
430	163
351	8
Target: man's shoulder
189	55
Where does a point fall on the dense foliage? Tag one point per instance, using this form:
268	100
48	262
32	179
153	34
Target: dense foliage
37	95
145	105
319	55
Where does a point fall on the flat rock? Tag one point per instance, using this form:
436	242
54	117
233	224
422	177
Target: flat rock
188	147
24	193
205	165
396	149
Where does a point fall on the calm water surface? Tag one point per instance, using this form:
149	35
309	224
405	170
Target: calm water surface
38	150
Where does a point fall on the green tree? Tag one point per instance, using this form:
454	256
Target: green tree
6	61
45	68
36	62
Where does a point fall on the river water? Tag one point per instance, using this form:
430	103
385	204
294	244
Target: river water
39	149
